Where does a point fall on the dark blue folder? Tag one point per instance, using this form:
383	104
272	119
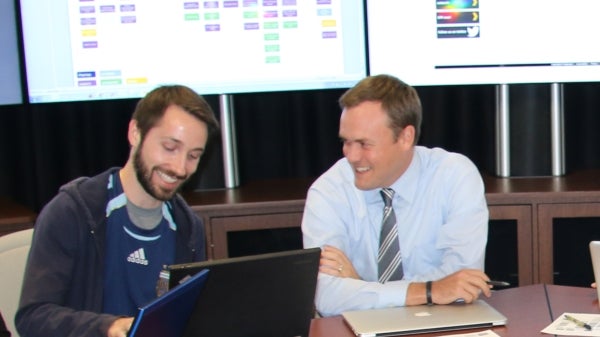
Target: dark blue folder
168	315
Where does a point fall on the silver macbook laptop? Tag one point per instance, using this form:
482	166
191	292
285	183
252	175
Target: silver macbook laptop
168	315
399	321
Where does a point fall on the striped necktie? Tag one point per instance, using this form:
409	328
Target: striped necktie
390	261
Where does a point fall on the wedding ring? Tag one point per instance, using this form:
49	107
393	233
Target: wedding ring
340	268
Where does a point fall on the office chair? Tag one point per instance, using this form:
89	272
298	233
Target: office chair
14	248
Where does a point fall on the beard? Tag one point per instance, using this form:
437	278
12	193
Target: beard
144	175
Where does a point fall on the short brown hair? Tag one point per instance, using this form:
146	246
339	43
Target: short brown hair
151	108
399	100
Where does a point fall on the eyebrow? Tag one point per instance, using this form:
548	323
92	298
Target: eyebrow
359	140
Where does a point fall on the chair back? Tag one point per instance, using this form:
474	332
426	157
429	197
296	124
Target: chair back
14	249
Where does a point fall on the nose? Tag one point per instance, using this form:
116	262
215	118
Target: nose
179	165
351	152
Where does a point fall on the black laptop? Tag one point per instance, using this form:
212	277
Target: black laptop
267	295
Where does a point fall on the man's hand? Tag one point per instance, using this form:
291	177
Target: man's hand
120	327
335	263
466	284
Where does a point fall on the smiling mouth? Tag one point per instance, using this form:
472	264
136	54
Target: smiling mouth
168	178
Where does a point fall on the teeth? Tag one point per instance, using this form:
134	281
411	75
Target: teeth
167	178
362	169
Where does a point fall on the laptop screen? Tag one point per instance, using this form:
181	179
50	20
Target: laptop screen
260	295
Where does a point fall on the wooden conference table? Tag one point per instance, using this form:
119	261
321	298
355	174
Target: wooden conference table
529	309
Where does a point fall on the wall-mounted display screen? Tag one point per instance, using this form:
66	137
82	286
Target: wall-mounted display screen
109	49
447	42
10	71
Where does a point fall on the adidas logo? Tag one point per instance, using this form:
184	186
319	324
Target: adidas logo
138	257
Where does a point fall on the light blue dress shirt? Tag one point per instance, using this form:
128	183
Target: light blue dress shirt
442	220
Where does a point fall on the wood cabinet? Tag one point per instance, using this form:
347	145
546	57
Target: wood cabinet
532	202
14	217
266	205
542	200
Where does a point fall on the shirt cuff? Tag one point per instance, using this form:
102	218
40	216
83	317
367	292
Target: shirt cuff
393	294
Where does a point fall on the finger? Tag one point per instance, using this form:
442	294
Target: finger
332	255
327	263
483	286
334	271
328	255
331	264
328	271
478	279
487	290
469	295
479	282
476	289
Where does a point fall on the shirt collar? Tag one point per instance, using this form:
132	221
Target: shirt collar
404	187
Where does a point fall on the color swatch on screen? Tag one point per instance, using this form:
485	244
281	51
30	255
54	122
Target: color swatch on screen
457	19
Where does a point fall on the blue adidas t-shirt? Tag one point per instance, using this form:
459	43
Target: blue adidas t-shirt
134	256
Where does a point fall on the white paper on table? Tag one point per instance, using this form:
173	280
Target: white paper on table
564	327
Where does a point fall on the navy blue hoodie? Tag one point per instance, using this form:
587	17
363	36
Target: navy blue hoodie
63	283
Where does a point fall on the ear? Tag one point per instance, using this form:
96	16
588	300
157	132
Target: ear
134	134
407	136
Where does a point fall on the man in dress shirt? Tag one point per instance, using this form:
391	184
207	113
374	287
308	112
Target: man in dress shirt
438	201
